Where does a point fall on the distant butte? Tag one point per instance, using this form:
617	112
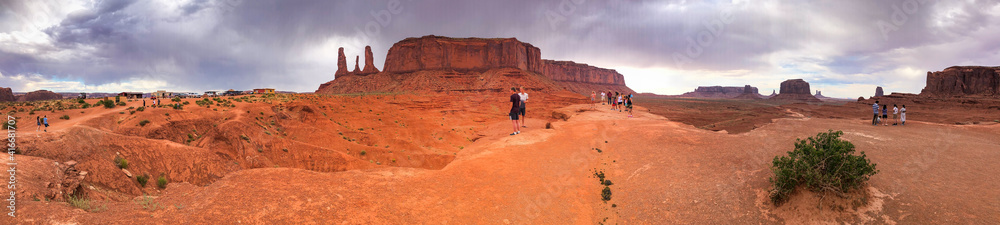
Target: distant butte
435	63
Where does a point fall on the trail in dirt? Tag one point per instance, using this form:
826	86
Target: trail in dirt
663	172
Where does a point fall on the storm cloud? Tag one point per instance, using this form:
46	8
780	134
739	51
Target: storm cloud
844	48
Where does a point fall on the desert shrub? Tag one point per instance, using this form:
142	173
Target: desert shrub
81	101
176	99
143	122
244	137
140	109
79	202
161	182
65	117
823	163
363	152
121	162
142	179
107	103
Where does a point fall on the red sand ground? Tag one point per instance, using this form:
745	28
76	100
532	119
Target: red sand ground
461	167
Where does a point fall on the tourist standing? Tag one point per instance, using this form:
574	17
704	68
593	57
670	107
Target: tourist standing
604	98
515	109
45	120
628	105
524	99
593	99
38	122
875	110
885	115
620	101
895	115
903	115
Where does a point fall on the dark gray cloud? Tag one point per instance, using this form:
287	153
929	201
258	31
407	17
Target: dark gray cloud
221	44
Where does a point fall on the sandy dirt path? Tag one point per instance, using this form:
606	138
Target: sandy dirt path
663	173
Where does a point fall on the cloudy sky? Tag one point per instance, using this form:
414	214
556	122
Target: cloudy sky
843	48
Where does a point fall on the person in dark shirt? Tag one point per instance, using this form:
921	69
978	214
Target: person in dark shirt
515	109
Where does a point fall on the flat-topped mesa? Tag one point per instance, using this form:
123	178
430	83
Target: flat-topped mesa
879	92
369	62
795	90
6	95
471	64
720	92
578	72
39	95
461	54
963	81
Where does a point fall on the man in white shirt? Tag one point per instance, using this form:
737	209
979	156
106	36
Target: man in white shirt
604	98
524	99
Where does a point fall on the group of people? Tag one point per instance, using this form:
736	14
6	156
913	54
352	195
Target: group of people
898	115
615	99
517	111
39	121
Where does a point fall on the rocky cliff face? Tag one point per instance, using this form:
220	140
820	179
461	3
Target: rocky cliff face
750	92
369	62
577	72
465	64
795	90
963	81
357	69
341	64
39	95
462	54
6	95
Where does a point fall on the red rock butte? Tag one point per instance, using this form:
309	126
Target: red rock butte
795	90
435	63
963	81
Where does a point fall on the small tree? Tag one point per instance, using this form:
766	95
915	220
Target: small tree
823	164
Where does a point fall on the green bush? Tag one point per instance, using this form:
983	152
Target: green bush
823	164
140	109
143	122
121	103
121	162
65	117
161	182
176	99
107	103
79	202
142	179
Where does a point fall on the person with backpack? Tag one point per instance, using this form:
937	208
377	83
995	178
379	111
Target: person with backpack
515	109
